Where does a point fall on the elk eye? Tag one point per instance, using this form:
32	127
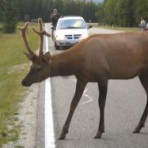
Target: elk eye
38	68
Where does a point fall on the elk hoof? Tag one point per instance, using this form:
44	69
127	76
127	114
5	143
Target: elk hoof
98	136
62	137
137	129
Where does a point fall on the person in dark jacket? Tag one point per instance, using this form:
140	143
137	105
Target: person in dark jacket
54	17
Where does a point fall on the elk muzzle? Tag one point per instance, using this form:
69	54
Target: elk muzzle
26	83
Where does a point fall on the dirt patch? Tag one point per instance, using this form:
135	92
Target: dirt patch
17	68
27	120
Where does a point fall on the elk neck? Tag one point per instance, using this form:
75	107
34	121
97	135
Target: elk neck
64	64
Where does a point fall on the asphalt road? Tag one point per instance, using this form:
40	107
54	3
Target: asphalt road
125	103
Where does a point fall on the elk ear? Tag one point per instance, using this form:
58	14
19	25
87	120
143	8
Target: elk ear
47	56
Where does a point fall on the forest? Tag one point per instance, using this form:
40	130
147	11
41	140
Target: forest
123	12
126	13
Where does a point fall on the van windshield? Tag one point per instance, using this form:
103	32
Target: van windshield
71	24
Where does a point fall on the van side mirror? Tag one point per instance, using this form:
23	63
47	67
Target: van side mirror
53	28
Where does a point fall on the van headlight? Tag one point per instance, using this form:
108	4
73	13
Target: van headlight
59	36
85	35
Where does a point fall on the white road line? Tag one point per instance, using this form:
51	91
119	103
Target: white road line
49	127
90	99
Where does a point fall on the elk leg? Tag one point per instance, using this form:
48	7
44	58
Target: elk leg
78	93
144	81
101	102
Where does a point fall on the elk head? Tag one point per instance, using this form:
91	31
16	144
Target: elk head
40	63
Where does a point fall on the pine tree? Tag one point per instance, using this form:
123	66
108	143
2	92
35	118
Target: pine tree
1	9
10	15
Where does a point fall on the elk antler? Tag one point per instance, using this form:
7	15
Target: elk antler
41	33
23	30
41	28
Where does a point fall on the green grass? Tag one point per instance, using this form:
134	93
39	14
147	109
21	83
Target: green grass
126	29
12	71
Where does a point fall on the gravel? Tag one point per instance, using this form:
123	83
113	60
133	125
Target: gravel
27	120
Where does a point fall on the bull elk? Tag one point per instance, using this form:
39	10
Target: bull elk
95	59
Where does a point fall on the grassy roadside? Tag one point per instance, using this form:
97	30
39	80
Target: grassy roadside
126	29
13	66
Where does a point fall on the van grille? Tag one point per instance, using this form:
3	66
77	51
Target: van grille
74	36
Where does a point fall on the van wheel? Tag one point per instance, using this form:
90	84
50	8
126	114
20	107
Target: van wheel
56	46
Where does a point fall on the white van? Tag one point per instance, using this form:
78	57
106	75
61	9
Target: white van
69	31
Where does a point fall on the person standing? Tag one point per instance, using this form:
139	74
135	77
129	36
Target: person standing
54	17
143	24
